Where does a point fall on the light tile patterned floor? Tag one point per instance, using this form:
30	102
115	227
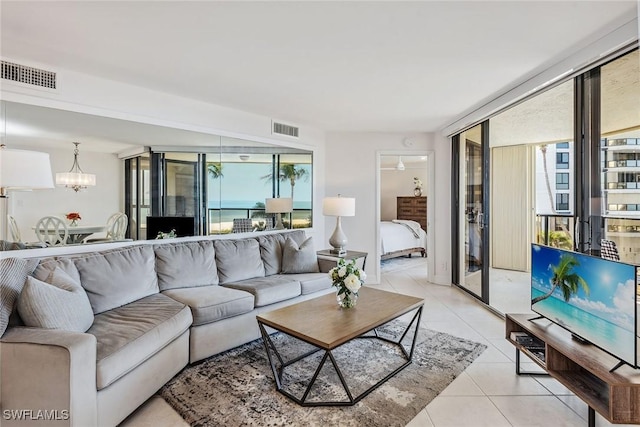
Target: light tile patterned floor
488	393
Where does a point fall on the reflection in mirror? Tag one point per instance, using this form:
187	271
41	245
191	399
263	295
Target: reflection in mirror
220	186
213	178
246	175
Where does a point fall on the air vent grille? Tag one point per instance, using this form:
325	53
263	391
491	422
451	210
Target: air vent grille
29	75
288	130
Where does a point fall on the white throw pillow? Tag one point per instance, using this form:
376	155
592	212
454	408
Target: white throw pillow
299	259
58	303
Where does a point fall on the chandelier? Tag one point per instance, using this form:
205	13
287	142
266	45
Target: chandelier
75	178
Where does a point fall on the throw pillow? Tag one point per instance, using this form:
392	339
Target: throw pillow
299	259
59	303
13	273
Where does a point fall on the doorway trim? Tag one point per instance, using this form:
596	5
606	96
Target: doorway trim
430	187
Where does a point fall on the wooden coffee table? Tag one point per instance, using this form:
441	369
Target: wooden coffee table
326	326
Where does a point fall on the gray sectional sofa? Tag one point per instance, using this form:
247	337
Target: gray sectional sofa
154	308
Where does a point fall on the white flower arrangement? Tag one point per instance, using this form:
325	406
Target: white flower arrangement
417	182
347	278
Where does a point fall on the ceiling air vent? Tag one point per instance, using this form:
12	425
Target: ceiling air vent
28	75
282	129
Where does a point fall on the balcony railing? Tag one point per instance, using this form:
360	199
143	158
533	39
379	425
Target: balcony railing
221	220
555	230
622	141
623	185
623	163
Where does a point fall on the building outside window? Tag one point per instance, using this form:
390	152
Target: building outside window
562	181
562	201
562	160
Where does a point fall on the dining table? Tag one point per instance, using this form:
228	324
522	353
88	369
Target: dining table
77	233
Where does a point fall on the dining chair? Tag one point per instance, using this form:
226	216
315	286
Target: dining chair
242	225
16	237
116	229
609	250
14	231
52	231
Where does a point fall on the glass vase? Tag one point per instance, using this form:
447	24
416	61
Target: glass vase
347	299
417	191
74	223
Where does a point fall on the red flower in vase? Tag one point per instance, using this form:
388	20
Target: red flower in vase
73	216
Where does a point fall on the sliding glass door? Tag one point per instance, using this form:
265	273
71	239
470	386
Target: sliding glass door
471	246
565	169
615	200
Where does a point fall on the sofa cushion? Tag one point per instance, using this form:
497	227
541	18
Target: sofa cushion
311	282
186	264
117	277
58	303
211	303
299	259
238	260
271	252
128	335
47	266
13	273
268	290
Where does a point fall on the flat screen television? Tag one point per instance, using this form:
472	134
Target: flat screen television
593	298
183	225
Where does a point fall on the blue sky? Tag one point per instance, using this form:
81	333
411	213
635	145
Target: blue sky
612	284
242	182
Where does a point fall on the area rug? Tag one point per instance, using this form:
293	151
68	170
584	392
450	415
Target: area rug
237	388
402	263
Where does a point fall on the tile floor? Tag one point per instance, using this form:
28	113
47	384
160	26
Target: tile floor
487	393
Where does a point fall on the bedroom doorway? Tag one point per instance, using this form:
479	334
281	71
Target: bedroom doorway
405	182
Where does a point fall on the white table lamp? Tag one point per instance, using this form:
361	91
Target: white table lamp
21	170
279	206
338	207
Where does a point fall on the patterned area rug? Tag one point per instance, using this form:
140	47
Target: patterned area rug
237	387
402	263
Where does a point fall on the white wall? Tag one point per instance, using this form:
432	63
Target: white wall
352	172
83	93
94	204
394	183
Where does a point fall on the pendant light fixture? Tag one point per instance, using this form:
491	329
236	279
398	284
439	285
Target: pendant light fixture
400	165
75	178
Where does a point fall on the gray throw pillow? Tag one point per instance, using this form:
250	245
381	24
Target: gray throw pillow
59	303
13	273
299	259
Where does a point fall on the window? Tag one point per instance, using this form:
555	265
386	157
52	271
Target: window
562	160
564	145
562	201
562	181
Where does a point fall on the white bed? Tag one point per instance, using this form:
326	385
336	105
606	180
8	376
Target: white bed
402	237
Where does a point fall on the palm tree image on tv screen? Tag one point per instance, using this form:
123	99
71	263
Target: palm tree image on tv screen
565	279
593	298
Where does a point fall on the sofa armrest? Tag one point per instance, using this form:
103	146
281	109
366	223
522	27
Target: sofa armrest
47	376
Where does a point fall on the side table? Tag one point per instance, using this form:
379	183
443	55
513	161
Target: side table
327	260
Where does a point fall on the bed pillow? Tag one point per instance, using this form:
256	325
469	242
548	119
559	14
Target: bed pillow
299	259
58	303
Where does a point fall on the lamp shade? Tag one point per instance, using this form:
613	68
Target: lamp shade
339	206
279	205
24	170
80	179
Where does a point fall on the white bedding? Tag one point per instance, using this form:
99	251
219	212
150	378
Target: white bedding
398	236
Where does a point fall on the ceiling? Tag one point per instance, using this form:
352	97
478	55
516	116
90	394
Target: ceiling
340	66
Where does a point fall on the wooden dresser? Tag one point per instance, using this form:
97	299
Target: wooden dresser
413	208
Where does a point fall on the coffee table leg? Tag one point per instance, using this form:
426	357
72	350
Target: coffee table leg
277	373
266	340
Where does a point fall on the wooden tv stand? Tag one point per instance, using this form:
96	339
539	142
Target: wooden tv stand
582	368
